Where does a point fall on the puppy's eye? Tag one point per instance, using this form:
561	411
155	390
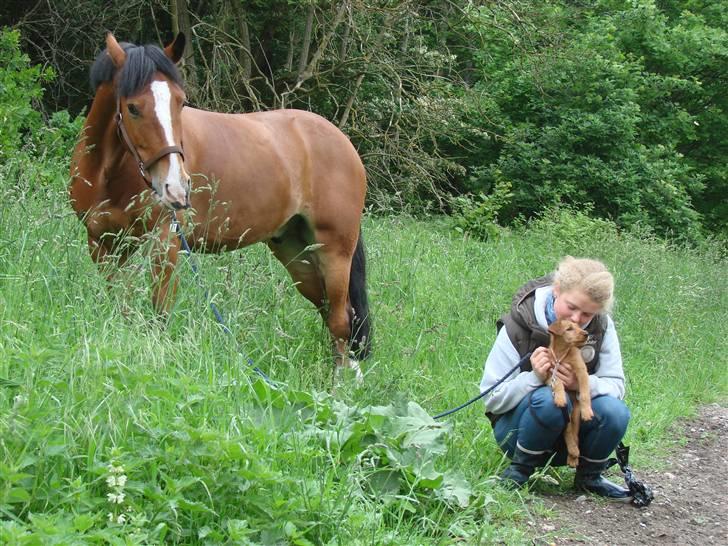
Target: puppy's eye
133	110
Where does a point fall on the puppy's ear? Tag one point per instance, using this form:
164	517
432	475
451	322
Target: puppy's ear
557	328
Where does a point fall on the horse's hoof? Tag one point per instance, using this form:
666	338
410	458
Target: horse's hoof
342	373
354	365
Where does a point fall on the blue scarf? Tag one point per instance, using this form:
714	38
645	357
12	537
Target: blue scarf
550	313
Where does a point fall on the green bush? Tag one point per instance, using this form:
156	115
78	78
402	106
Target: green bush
569	228
31	147
478	215
614	106
20	86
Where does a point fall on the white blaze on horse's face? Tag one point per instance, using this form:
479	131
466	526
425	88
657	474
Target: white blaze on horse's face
172	185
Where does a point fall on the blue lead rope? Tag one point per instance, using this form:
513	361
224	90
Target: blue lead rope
215	311
487	391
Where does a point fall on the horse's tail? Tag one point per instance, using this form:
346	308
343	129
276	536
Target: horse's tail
361	341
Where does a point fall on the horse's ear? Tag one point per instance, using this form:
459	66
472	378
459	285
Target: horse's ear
115	51
176	49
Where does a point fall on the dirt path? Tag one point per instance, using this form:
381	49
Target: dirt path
691	497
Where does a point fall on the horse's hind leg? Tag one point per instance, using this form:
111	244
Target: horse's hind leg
301	265
322	277
334	259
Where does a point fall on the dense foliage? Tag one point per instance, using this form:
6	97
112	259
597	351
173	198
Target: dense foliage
615	107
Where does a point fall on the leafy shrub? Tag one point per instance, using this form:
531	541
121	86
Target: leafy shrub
608	106
478	215
297	465
34	152
570	229
20	86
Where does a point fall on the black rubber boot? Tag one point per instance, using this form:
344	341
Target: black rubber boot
522	466
589	478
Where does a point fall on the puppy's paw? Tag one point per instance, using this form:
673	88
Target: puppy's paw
586	413
560	398
573	460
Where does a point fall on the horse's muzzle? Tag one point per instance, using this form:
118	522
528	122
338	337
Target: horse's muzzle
176	205
174	200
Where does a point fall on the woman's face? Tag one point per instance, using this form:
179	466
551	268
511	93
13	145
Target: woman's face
575	306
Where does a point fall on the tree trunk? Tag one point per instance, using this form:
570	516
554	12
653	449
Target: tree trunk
245	56
313	64
303	59
181	23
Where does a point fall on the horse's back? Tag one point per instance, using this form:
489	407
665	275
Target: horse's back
275	164
284	134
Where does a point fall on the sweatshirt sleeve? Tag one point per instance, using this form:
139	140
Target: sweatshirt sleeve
503	356
609	377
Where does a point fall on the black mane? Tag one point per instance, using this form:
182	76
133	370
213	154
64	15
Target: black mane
142	62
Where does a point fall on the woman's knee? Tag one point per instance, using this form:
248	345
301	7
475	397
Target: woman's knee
612	413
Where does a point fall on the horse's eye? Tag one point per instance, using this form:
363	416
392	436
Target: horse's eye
133	110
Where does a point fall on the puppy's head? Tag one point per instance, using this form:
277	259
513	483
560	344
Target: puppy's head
569	332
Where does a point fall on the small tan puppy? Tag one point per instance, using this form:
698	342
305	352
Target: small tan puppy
566	340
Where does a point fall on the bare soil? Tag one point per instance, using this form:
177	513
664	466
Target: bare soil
691	497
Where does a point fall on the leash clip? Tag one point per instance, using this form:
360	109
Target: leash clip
553	372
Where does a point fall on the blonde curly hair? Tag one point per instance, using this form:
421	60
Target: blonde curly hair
589	276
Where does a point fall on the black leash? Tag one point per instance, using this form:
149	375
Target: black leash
642	494
487	391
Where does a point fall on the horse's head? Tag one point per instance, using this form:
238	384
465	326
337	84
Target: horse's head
149	101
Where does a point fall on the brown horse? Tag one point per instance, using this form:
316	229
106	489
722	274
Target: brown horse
287	178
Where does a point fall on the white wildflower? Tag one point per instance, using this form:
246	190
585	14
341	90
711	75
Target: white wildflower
116	481
115	498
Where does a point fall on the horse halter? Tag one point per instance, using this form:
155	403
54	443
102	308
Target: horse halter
143	165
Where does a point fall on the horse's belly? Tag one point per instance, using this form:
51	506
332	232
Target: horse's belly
238	215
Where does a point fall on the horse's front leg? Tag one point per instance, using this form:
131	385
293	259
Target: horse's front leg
108	255
164	261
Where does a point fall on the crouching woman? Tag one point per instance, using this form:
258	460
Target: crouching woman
527	425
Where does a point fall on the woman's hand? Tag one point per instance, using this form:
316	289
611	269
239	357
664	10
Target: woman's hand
541	363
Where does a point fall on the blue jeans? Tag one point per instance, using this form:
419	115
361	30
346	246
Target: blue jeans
537	426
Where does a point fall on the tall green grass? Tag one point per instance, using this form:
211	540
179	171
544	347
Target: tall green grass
96	387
